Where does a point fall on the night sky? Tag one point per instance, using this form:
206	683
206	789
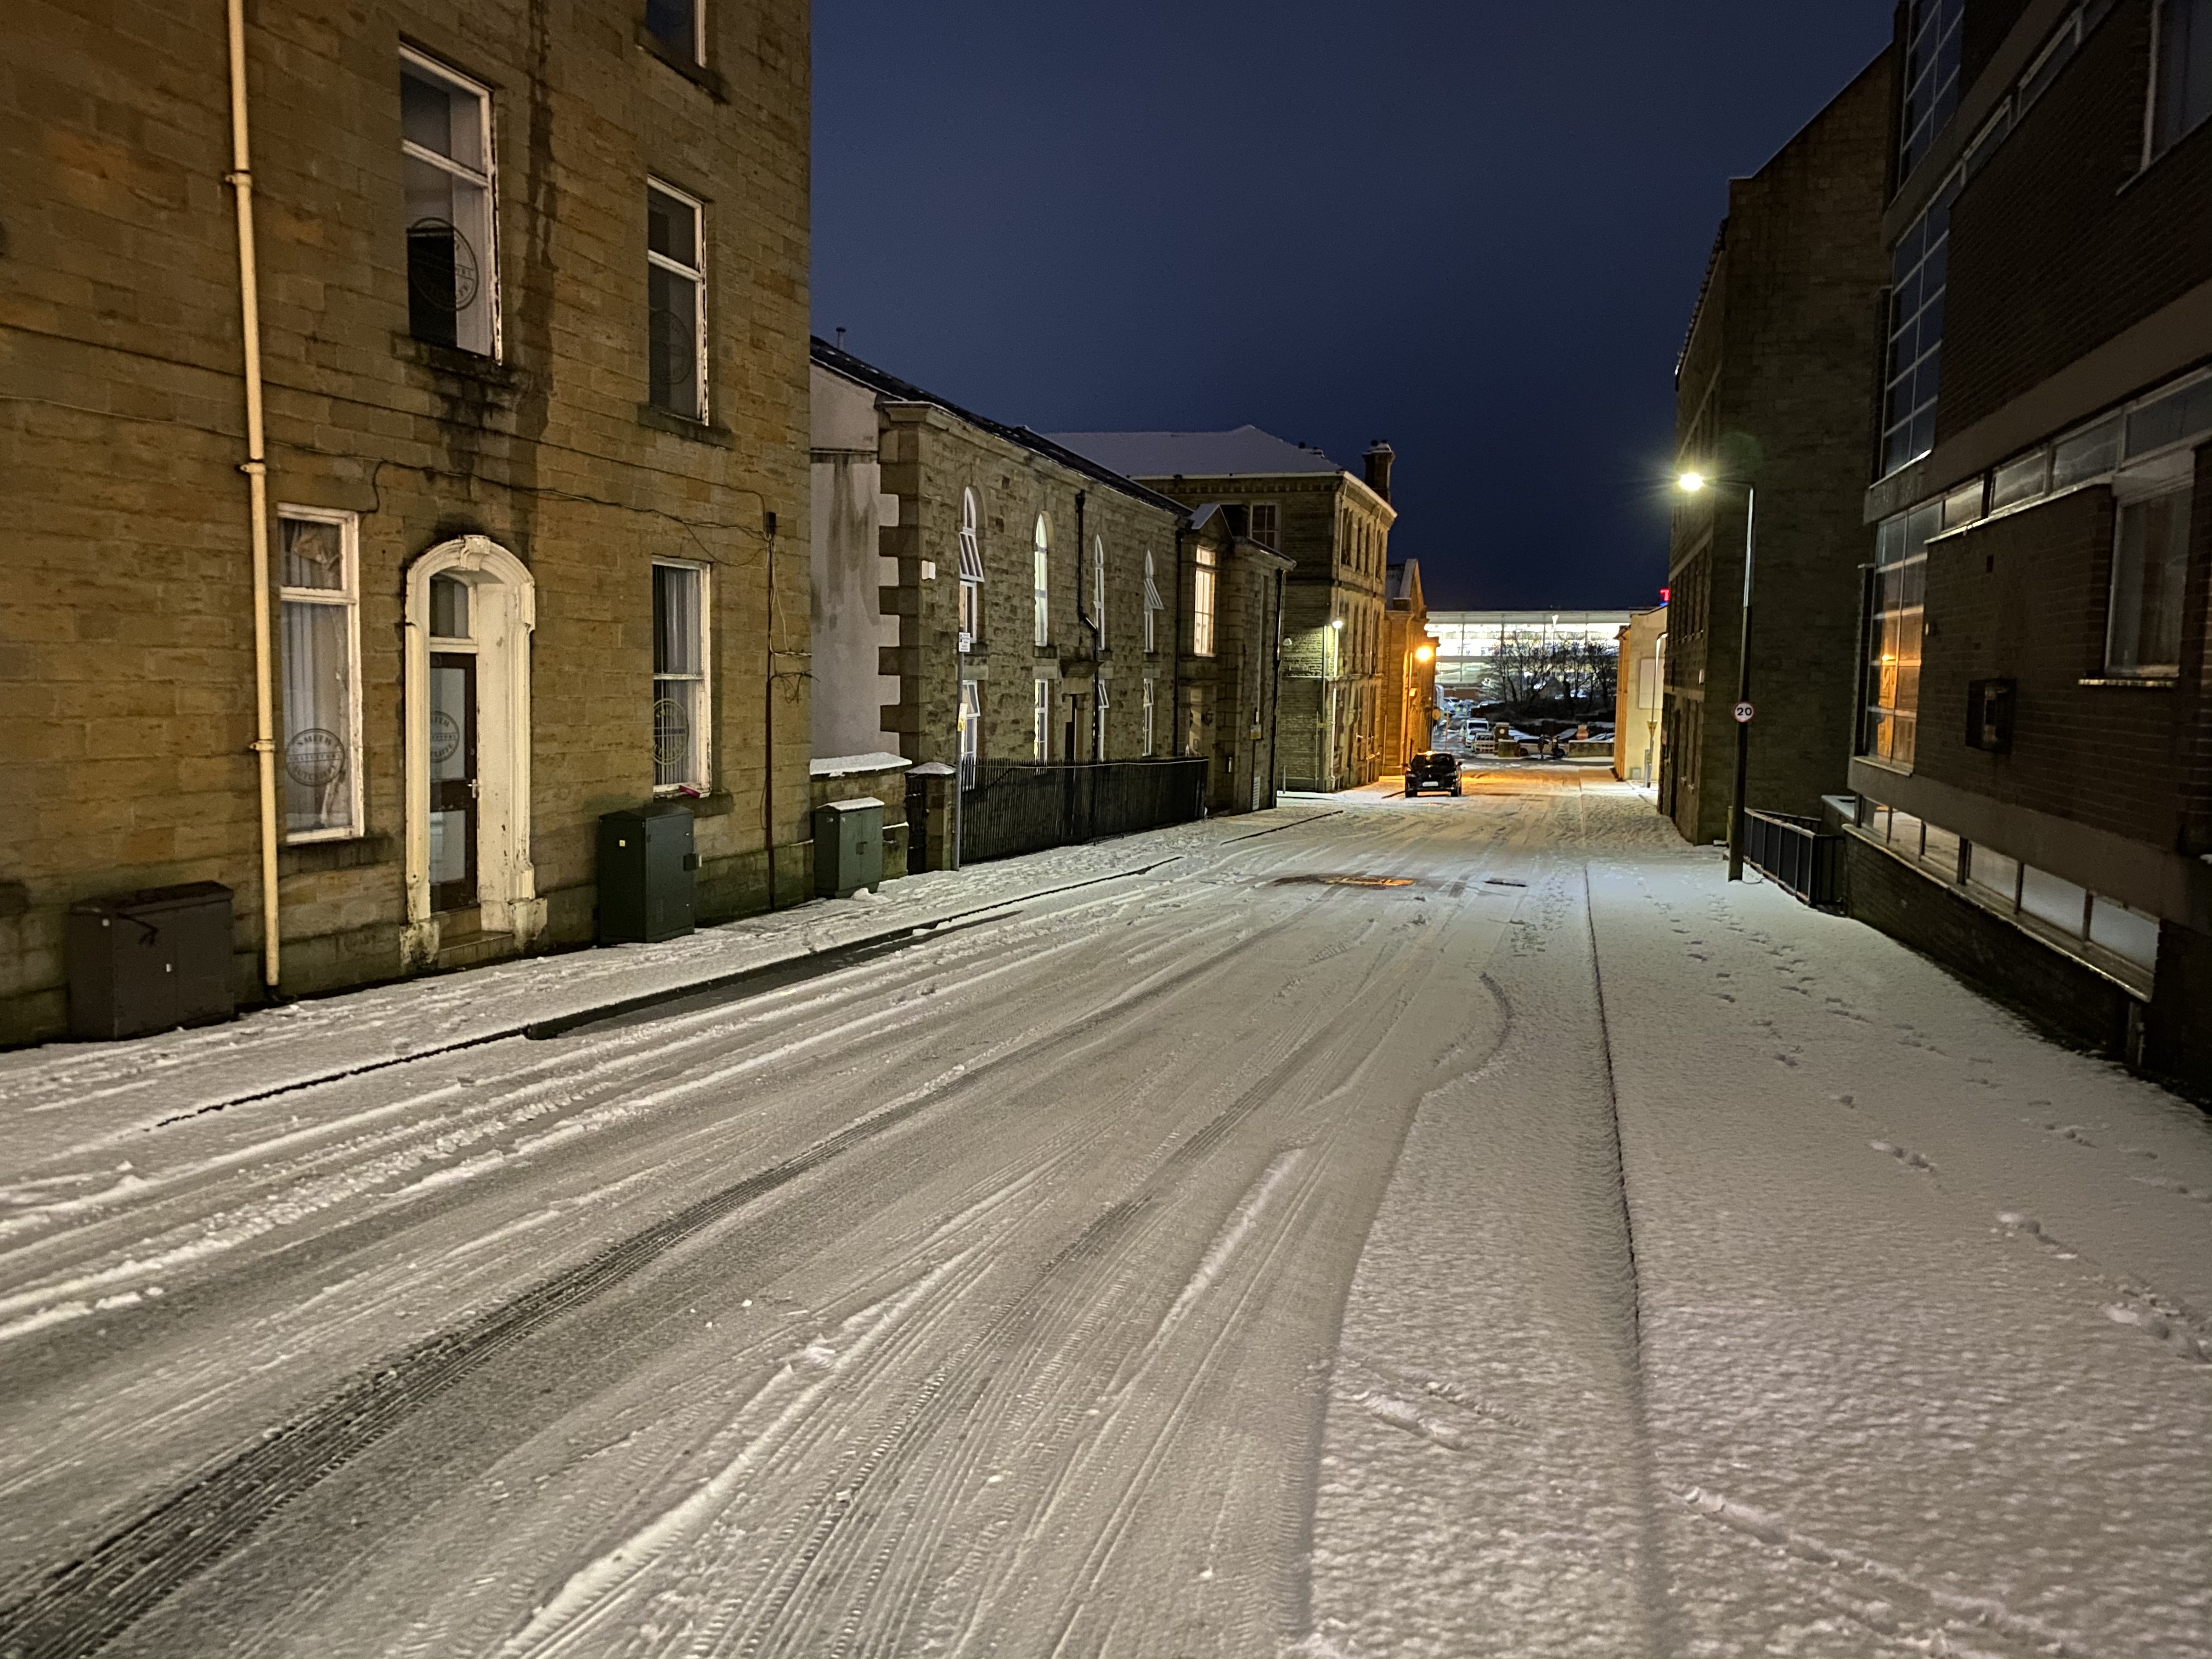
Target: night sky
1473	229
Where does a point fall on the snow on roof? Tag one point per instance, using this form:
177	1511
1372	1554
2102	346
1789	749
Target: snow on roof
1243	452
840	766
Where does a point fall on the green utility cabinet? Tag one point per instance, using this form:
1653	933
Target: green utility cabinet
152	961
848	847
648	874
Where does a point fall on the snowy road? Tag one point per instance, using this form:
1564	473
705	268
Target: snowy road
1435	1228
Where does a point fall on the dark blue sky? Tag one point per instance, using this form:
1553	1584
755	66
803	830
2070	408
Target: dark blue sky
1473	229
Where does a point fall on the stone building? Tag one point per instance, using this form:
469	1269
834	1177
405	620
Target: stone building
1771	393
1337	529
1023	607
1230	591
1639	696
2033	764
1409	708
512	429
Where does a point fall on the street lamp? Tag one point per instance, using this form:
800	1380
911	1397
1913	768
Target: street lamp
1691	483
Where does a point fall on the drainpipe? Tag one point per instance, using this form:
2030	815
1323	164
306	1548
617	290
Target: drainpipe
256	468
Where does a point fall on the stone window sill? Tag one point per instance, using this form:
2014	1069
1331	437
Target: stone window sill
450	360
2138	682
697	74
680	426
353	853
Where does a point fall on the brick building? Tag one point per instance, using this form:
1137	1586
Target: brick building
1336	528
1409	709
2034	753
1026	601
521	445
1771	397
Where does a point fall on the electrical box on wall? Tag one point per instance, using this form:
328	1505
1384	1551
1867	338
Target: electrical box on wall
1989	715
848	847
648	874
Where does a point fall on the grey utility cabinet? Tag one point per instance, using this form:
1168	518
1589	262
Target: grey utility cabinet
150	961
648	873
848	847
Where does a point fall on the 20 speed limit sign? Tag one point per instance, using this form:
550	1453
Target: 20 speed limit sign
1744	711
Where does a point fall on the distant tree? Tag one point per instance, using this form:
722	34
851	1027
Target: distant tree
1534	677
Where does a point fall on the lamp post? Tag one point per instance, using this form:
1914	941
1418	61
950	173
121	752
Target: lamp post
1689	483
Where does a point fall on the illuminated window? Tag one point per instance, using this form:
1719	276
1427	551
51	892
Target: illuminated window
1900	579
1202	581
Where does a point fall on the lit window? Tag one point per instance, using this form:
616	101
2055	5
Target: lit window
676	301
445	143
1900	581
1041	581
2150	570
1918	267
971	574
680	26
319	561
1202	581
1931	76
680	701
971	730
1040	722
1152	608
2182	98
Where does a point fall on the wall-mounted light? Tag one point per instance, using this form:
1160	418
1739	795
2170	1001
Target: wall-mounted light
1691	483
1425	652
1338	623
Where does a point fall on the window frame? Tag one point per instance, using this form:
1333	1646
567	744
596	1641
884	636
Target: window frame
1274	524
1154	605
1151	742
1205	588
1916	136
697	52
971	730
1926	359
970	547
1040	720
2157	142
1041	582
1098	588
703	411
702	746
429	69
347	598
2149	673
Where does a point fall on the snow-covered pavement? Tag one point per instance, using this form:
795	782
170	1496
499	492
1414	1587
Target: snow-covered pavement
1372	1228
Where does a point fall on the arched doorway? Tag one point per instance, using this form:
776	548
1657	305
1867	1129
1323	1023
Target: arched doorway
472	606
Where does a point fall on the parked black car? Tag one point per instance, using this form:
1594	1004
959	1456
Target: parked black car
1432	769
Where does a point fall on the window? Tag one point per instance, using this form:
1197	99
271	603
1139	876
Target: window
676	302
1041	583
318	562
971	730
1266	523
1201	604
679	677
2183	96
680	26
1931	76
1152	608
1900	579
1040	735
1148	751
971	574
1098	588
2150	567
445	146
1918	268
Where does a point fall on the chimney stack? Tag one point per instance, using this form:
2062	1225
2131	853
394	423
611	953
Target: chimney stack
1379	456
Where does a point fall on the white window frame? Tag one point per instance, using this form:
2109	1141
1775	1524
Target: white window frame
697	277
1204	578
971	574
703	743
1274	512
1098	588
349	598
698	33
1150	749
1041	581
1040	720
971	730
431	70
2185	492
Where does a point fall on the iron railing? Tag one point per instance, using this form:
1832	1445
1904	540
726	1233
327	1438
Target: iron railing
1023	807
1796	855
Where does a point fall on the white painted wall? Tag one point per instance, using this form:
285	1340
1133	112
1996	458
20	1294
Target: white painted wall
848	623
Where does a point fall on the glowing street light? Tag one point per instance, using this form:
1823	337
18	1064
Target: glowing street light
1424	653
1337	624
1691	483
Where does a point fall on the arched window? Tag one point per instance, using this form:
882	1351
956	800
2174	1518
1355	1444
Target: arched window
971	573
1098	587
1152	608
1040	580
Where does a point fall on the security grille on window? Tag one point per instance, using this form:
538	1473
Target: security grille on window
445	143
1201	604
971	574
318	561
1900	582
1152	608
1931	76
679	677
1264	523
1918	268
679	25
2183	97
2150	572
1041	582
676	299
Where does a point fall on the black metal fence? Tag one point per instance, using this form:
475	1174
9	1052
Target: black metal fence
1793	854
1025	808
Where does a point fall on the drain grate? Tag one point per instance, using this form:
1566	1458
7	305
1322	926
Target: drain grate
1345	881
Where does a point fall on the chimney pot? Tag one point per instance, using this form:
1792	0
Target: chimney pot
1379	457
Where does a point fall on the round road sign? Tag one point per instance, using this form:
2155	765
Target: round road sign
1744	711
